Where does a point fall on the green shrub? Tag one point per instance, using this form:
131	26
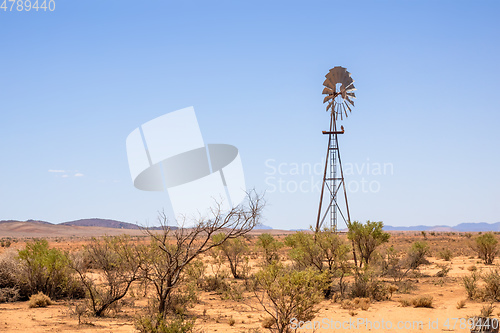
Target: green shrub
289	293
486	247
366	238
269	246
39	300
47	270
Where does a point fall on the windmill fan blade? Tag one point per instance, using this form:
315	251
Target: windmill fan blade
329	106
348	107
328	91
347	82
337	74
351	94
345	111
351	88
327	98
331	79
328	83
343	77
347	99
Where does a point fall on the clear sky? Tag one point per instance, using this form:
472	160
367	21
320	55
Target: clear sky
76	81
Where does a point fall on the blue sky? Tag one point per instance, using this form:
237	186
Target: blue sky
75	82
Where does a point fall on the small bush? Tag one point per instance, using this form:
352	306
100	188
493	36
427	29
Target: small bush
446	254
444	270
231	321
269	246
472	268
461	304
422	302
417	254
9	295
156	323
268	322
470	284
39	300
487	310
215	283
492	285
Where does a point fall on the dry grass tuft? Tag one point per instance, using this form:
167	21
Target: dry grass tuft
461	304
422	302
39	300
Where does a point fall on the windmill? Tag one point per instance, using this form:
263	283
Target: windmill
339	91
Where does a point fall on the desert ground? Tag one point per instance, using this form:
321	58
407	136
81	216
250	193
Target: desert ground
215	312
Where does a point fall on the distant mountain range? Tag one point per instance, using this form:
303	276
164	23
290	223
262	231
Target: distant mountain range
107	223
462	227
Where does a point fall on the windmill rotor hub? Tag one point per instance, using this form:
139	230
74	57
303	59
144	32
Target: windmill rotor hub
339	83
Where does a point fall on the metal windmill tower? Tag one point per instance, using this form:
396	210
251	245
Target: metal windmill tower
339	89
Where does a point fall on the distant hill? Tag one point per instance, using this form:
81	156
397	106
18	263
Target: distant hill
104	223
31	221
262	227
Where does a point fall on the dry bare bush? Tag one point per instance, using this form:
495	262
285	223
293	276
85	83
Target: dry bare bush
233	250
118	261
171	251
9	278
